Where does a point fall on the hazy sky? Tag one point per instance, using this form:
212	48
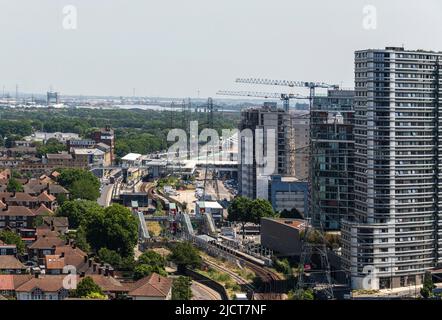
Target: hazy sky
177	47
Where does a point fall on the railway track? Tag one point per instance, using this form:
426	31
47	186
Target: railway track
269	279
154	195
241	281
207	293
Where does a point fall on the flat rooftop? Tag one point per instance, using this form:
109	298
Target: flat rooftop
131	157
294	223
209	204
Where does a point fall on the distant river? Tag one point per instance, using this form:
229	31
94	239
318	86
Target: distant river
144	107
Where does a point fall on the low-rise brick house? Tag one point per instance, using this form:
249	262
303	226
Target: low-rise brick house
44	245
7	249
15	217
50	287
11	265
58	287
57	224
9	282
152	287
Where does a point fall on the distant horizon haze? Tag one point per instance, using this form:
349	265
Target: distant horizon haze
194	48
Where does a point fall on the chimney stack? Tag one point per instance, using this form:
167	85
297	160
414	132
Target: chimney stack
85	258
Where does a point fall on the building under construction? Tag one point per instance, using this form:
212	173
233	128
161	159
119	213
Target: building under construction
253	183
332	162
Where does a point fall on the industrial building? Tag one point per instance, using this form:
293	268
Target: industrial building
332	144
394	234
283	236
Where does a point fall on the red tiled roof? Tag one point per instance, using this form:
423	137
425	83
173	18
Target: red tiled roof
54	262
43	210
16	211
57	222
45	231
54	283
108	284
72	256
19	196
55	174
45	197
46	243
152	286
2	244
6	282
10	262
47	283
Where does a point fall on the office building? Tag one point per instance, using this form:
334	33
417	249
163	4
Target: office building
286	193
394	233
332	158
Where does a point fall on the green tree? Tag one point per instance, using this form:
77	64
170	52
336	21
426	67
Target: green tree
61	198
284	267
10	237
86	287
80	239
261	208
110	256
159	211
428	286
152	258
14	186
301	294
143	270
244	210
149	262
82	184
38	221
51	146
116	229
83	189
238	211
80	212
292	214
96	296
185	254
181	289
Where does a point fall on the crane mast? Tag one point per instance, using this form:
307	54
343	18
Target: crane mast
308	248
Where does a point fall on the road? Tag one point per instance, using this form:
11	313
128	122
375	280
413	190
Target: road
106	195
